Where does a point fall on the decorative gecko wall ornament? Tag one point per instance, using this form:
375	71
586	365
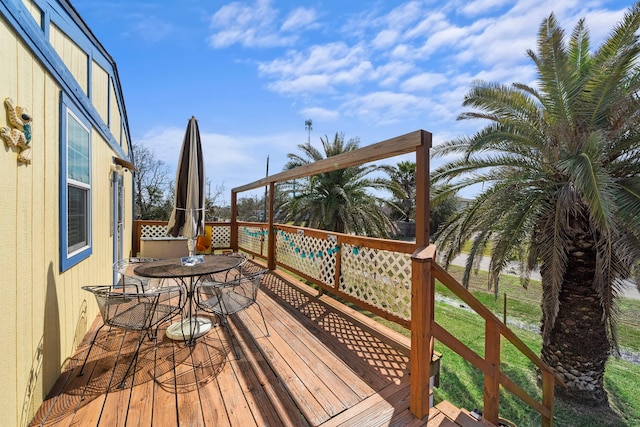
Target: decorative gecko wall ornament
19	134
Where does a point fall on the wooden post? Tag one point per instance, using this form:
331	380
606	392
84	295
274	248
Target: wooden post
234	221
422	191
504	310
491	378
338	272
137	231
548	385
271	251
422	288
422	308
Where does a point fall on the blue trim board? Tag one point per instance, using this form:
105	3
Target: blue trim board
33	36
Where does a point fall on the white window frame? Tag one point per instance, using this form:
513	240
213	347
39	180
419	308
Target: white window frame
72	255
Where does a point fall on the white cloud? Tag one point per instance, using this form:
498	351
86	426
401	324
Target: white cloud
321	68
385	107
521	74
404	15
310	83
385	39
164	143
319	58
352	76
247	25
431	21
391	73
150	29
320	113
450	36
600	23
423	81
300	18
479	7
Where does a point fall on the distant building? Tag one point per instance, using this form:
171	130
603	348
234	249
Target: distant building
462	203
66	213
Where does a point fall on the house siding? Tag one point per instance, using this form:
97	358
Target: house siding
45	312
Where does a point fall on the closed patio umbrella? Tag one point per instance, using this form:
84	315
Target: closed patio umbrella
187	217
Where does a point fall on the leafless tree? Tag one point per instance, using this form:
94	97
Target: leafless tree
151	185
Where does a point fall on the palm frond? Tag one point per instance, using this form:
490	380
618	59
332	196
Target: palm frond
553	68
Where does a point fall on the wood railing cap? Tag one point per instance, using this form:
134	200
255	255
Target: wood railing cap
397	146
423	254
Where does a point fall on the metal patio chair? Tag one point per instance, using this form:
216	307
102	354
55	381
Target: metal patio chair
130	308
126	275
225	298
227	275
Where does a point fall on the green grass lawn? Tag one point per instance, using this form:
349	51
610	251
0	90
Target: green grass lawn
462	384
524	304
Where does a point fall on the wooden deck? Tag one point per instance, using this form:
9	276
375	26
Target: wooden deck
318	364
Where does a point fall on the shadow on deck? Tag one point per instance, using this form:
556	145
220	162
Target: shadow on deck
319	364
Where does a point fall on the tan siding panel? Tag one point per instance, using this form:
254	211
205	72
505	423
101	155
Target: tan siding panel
38	222
8	234
74	58
100	91
128	219
24	203
125	141
34	10
115	122
50	234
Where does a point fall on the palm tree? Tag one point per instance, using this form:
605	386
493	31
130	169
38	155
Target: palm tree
338	200
402	185
560	164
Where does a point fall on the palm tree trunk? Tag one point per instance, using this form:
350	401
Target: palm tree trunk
578	347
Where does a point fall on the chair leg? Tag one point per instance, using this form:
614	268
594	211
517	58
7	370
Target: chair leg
134	360
264	321
224	322
93	341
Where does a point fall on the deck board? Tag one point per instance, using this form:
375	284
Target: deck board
329	391
324	362
316	364
276	391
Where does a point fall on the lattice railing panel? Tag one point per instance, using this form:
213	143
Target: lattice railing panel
153	230
250	238
377	277
312	256
221	236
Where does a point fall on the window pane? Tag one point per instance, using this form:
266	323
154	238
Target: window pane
77	231
77	150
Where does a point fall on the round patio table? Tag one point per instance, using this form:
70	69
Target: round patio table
188	271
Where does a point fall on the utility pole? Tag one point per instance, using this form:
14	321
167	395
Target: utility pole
266	187
308	127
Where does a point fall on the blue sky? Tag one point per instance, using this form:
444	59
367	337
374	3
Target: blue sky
253	71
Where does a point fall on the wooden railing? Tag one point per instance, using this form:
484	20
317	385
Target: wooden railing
221	233
490	365
374	274
378	275
384	280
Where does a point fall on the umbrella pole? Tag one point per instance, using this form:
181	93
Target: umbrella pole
191	246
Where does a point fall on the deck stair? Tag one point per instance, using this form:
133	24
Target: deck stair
447	415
